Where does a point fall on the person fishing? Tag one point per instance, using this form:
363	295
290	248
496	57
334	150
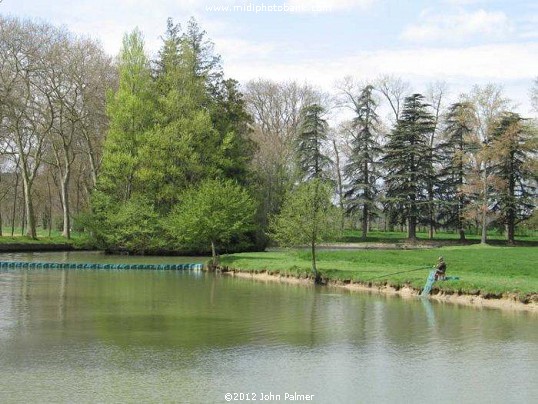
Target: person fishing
441	269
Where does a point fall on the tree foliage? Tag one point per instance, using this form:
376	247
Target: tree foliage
308	217
407	160
312	134
512	146
453	151
362	169
211	214
131	111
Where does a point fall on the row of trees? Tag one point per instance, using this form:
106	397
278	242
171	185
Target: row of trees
134	143
473	162
52	120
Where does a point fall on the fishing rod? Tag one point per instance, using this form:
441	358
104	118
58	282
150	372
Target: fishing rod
400	272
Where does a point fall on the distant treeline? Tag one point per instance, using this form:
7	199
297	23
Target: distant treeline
122	145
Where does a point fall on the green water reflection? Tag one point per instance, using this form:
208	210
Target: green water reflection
183	336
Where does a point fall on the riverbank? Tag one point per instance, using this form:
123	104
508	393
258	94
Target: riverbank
36	247
507	302
499	277
42	244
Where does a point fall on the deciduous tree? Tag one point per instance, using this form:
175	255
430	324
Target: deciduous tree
308	217
513	150
211	214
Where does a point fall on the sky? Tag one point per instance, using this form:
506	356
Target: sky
462	42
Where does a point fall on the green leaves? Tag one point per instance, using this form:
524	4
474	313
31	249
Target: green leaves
213	212
308	216
171	129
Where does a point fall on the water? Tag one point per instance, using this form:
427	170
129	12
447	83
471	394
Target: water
180	336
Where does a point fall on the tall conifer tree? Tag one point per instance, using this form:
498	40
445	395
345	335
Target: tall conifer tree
407	160
361	170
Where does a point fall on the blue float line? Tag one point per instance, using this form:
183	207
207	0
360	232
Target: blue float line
65	265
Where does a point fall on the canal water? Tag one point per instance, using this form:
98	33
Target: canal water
193	337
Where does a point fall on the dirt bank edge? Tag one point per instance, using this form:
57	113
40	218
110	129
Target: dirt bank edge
507	302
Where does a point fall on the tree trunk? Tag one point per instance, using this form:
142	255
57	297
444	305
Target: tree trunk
314	267
93	168
29	208
65	205
15	194
511	214
339	185
484	236
23	219
461	202
412	228
364	221
412	222
366	200
213	253
50	207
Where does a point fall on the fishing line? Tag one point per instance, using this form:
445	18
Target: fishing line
400	272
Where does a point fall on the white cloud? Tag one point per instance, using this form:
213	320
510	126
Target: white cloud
464	2
328	5
528	26
509	64
234	49
490	62
459	26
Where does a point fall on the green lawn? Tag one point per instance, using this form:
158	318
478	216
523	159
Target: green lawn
486	270
350	236
77	239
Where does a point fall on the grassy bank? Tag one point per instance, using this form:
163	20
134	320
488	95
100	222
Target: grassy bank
485	270
354	236
77	241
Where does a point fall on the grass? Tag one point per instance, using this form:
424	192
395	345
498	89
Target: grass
485	270
78	240
351	236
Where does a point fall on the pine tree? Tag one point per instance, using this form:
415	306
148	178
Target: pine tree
460	125
513	147
407	160
201	130
312	134
361	170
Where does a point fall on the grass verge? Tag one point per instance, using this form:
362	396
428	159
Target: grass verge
489	271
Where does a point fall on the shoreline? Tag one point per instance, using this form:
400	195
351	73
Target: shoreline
506	303
35	247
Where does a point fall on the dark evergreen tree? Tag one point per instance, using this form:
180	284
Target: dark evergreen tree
312	134
361	170
460	125
198	53
513	147
202	127
407	161
232	122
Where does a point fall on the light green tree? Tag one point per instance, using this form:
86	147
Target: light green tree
211	213
308	217
136	227
131	110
